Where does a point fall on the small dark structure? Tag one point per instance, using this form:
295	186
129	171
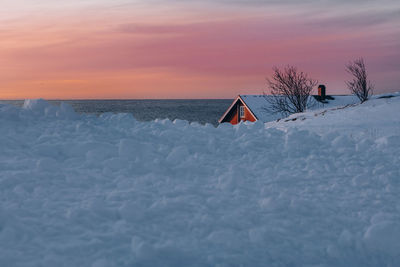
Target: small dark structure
322	97
322	91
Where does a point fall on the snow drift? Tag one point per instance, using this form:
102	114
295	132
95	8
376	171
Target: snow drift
321	190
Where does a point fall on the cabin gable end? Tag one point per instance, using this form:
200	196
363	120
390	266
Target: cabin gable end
238	112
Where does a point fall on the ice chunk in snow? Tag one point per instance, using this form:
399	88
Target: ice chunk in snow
36	105
383	237
40	107
178	154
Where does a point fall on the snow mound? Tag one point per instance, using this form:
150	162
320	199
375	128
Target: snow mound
37	109
377	117
383	238
111	191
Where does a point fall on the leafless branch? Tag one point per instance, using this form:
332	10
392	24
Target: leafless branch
359	85
290	90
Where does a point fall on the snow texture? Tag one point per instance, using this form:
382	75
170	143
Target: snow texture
261	107
317	189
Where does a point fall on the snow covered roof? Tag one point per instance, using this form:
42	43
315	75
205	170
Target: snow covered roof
338	100
259	105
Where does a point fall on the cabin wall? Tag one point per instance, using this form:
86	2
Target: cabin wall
248	116
235	115
234	119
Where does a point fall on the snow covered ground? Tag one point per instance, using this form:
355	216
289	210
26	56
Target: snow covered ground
318	189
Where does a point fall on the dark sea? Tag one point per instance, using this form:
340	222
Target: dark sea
198	110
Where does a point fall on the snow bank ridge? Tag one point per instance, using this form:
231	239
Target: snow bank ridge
37	109
80	190
40	107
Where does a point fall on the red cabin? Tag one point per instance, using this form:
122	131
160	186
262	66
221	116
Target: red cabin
238	112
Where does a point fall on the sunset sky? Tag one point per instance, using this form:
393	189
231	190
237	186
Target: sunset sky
81	49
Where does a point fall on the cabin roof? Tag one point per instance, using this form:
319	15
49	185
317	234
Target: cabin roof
258	104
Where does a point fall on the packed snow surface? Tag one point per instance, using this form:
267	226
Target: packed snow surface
317	189
260	105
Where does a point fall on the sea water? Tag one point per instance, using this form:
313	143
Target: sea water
197	110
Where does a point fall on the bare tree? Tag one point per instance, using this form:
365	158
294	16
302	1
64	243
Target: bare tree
359	86
290	90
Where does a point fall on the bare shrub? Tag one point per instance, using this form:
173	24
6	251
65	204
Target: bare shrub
290	90
359	85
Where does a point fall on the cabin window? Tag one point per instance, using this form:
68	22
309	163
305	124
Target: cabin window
241	112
